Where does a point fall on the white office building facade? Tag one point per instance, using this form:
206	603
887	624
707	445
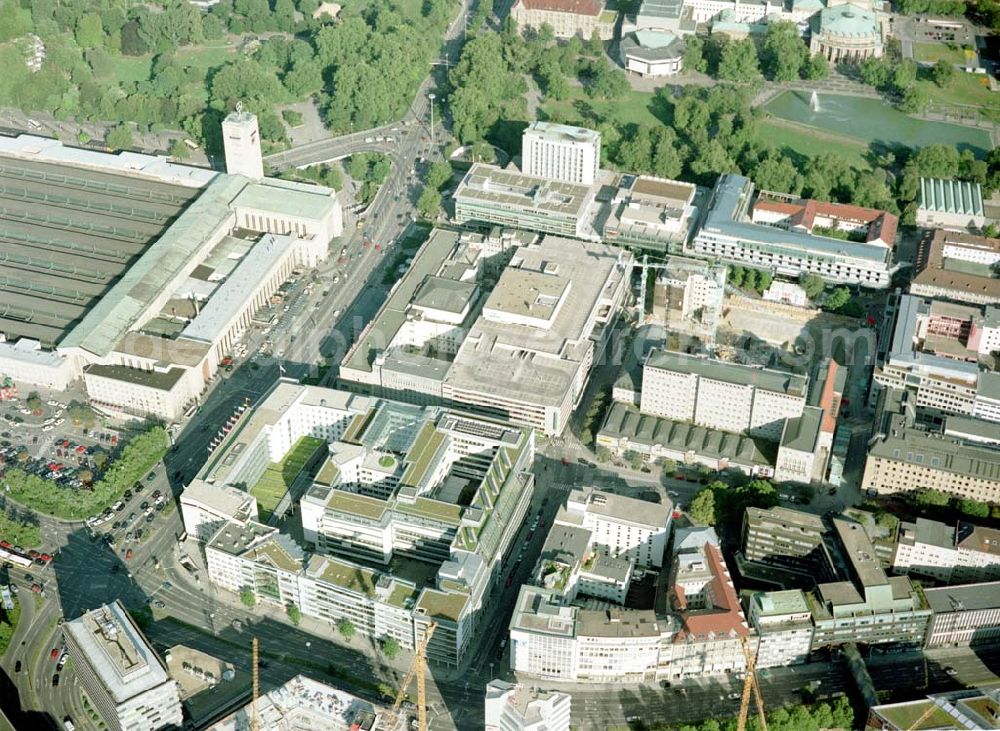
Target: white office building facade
725	396
561	152
123	677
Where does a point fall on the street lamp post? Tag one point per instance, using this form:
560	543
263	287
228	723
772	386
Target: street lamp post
432	96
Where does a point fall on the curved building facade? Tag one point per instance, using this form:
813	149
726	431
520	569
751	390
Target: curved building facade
847	34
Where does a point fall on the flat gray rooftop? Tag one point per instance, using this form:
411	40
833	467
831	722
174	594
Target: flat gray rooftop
66	236
117	652
791	384
858	549
967	597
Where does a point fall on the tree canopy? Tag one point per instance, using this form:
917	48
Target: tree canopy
739	61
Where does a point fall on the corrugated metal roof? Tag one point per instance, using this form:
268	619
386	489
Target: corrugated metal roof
951	196
119	309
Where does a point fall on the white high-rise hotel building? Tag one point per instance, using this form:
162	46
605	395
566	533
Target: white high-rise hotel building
561	152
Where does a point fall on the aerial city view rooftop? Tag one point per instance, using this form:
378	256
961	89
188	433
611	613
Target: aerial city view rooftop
523	365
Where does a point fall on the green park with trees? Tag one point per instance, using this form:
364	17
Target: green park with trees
694	133
169	64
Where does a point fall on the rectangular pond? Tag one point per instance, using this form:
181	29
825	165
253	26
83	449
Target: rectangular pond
873	120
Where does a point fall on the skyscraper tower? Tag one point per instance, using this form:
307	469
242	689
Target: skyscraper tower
241	138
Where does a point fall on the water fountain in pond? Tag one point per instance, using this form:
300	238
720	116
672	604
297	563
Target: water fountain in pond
814	102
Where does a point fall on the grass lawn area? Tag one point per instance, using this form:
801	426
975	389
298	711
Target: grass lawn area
636	107
971	89
206	57
279	476
132	68
907	717
934	52
8	623
19	533
810	141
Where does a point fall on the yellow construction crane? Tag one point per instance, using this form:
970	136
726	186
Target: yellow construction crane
256	685
417	667
750	682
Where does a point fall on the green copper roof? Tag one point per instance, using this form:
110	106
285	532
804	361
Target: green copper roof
951	196
848	20
654	39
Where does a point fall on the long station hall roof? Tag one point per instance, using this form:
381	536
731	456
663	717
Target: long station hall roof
67	234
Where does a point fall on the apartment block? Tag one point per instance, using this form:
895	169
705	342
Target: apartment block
720	395
783	622
868	607
729	234
964	615
125	680
955	554
567	19
957	266
790	539
905	457
932	351
561	152
624	527
700	635
516	707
